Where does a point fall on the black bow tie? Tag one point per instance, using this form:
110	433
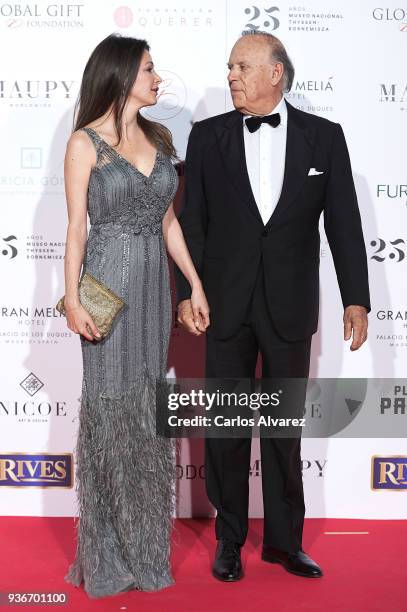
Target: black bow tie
253	123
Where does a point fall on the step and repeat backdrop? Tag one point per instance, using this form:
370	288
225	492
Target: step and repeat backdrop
350	68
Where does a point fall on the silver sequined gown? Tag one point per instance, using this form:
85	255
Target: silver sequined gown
125	473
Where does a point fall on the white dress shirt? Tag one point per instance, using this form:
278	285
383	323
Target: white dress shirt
265	160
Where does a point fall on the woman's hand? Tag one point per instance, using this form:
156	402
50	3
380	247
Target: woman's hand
200	308
80	322
193	314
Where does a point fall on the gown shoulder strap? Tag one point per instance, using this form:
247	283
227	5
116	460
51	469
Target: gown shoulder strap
95	138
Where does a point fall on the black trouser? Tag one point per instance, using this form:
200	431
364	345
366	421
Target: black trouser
227	461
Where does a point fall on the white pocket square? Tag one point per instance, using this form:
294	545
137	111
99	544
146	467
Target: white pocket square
314	172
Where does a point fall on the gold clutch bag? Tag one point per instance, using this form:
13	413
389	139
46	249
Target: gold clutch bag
102	303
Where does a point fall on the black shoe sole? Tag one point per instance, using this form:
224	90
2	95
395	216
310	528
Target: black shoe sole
270	559
227	579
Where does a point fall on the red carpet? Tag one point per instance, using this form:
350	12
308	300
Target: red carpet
363	573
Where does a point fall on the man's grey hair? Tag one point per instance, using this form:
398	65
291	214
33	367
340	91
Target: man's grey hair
278	54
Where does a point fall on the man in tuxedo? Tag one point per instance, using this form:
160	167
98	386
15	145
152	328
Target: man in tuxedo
256	182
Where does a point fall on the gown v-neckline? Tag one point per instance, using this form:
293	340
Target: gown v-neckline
128	162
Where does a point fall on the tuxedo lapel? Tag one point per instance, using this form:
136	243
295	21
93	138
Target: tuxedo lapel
300	140
231	144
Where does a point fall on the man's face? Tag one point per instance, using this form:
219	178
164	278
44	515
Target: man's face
252	75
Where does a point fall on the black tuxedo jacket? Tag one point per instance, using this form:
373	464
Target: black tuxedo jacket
227	239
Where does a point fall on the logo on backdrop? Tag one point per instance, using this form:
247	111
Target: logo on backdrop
40	248
45	470
298	19
312	96
392	315
9	250
324	250
31	384
171	98
37	247
262	18
389	473
332	404
36	93
123	16
30	176
190	471
393	327
39	17
397	16
394	403
394	191
388	250
31	158
23	324
34	410
394	93
312	467
181	17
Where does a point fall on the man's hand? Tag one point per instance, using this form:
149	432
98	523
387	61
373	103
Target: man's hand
193	314
355	320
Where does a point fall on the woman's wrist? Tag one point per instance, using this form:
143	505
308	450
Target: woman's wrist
196	284
71	301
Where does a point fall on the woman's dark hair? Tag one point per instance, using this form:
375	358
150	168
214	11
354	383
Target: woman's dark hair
107	80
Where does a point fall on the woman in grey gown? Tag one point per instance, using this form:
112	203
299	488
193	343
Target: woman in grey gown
118	169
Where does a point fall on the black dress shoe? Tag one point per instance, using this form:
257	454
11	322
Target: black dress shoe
227	565
296	563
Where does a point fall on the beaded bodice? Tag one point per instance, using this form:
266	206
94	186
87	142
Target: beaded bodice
120	196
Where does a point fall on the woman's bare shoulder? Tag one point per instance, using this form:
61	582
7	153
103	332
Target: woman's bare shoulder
80	146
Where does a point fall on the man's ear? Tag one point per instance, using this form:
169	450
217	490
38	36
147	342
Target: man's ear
277	73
